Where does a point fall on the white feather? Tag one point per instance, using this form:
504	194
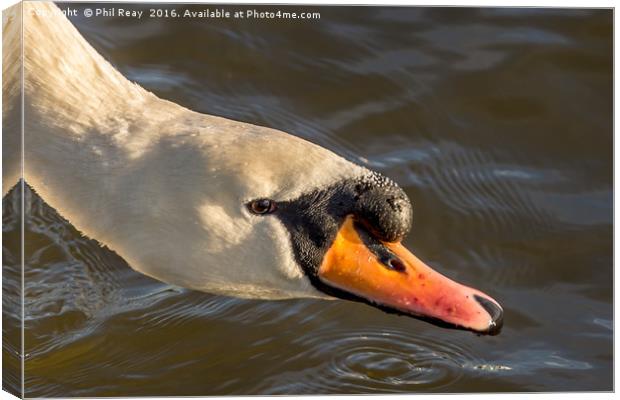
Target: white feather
163	186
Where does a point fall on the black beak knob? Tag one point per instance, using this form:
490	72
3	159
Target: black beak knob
383	208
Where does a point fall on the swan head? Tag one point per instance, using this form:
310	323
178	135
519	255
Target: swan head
279	217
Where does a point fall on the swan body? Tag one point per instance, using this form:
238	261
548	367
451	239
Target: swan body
168	188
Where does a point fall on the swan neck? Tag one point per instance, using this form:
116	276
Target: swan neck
66	78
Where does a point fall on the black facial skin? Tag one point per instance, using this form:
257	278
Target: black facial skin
313	220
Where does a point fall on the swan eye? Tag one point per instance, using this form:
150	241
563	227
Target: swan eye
262	206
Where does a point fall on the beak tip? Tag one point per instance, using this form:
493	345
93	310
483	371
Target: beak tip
496	313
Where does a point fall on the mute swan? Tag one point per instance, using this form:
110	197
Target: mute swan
205	202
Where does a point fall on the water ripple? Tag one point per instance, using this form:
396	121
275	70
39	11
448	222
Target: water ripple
372	360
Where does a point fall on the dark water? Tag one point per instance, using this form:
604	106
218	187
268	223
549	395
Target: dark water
497	123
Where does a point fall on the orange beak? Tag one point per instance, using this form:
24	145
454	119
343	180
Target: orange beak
389	275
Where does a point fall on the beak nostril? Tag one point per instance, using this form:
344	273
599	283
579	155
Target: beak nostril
394	264
496	313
